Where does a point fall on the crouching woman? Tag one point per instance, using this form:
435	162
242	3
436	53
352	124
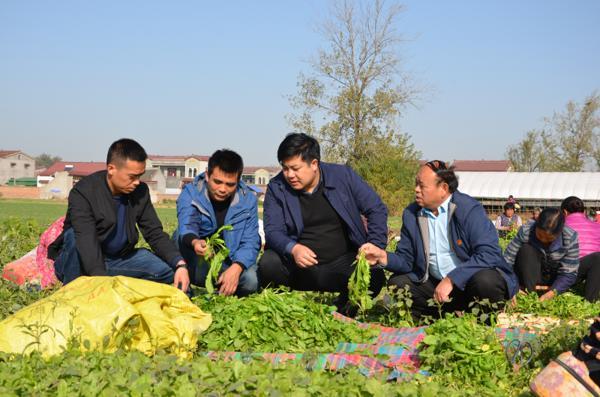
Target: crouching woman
545	254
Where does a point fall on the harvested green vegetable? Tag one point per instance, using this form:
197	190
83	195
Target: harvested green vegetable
275	322
216	253
566	305
358	285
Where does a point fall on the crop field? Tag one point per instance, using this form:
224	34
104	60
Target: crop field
457	356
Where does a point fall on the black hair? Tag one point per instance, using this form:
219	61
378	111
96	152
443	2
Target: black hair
509	206
228	161
125	149
299	144
444	174
551	220
572	204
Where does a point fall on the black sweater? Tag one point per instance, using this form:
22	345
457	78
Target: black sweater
92	215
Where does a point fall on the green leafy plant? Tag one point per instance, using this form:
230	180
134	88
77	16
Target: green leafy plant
359	282
566	305
134	374
459	350
17	237
391	308
216	253
275	321
510	235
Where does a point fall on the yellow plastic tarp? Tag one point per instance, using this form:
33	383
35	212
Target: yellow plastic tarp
106	313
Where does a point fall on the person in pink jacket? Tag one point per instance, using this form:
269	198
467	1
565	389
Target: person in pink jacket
589	245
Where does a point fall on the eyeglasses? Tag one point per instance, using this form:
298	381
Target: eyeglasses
436	165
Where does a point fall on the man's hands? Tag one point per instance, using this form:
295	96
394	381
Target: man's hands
374	254
443	290
304	256
182	278
229	279
547	295
199	246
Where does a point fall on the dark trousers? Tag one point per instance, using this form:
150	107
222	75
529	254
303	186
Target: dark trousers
589	273
485	284
534	268
139	263
275	270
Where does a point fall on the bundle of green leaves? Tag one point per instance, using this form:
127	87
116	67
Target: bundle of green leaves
216	253
358	284
504	241
275	321
459	351
567	306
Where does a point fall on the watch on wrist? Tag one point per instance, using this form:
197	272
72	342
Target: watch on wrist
180	265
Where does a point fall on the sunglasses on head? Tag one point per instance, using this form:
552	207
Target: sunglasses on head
436	165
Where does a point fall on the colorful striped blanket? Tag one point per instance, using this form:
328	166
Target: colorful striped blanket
392	355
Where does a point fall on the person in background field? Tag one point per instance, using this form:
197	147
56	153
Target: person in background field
514	201
313	213
508	220
589	245
448	248
216	198
545	254
104	213
535	214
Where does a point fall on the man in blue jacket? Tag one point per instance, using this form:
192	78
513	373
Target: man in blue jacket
313	217
216	198
448	248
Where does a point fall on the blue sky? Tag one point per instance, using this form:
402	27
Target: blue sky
192	76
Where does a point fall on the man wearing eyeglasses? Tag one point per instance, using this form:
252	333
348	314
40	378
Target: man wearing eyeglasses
448	248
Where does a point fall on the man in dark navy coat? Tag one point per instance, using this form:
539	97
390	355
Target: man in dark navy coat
314	220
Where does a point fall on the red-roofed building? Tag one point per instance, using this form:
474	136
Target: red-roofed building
482	165
75	169
15	164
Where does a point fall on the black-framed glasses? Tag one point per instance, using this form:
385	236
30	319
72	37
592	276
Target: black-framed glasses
436	165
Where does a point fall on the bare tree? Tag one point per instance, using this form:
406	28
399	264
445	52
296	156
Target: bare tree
530	154
575	130
356	91
571	138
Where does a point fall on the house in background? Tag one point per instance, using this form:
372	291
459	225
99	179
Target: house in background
56	181
259	176
75	169
177	170
15	164
165	176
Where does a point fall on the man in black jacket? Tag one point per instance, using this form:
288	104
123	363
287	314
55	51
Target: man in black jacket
100	232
